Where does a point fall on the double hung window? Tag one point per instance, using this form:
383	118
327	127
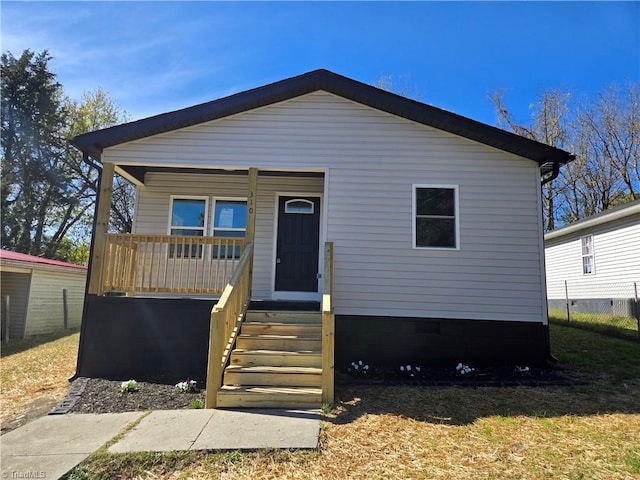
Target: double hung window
189	216
588	257
435	216
229	220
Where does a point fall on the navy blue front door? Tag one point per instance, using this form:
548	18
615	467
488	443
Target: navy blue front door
297	244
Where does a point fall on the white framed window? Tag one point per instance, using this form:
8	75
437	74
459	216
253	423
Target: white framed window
229	217
436	217
229	220
588	255
188	217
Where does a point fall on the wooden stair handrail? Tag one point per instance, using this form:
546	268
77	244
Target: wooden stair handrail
328	327
226	318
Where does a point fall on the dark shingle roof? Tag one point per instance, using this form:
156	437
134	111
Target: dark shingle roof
93	143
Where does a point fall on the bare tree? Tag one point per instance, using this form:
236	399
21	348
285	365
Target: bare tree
604	134
612	121
400	85
550	124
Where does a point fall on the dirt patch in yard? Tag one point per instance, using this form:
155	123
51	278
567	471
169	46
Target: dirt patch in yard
34	375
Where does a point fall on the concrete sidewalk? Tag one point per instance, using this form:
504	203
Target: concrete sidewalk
51	446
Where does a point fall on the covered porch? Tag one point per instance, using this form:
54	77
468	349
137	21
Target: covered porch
191	227
141	272
184	259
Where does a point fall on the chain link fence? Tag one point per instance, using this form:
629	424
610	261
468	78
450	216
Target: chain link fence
612	306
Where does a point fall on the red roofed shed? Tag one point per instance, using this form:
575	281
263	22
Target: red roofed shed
39	295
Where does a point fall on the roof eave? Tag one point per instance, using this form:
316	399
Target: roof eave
94	143
604	217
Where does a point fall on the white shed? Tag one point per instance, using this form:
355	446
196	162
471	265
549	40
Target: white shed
39	295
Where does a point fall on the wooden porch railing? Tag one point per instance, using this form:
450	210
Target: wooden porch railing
226	318
168	263
328	327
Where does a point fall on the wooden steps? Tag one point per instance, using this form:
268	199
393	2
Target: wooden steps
276	363
305	317
281	328
269	397
279	342
272	375
304	358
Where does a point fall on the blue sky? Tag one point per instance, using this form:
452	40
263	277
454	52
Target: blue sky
154	57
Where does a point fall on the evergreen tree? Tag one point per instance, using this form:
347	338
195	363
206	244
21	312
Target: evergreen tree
34	176
48	191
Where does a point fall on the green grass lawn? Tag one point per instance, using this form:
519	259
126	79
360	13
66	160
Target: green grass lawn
589	431
621	327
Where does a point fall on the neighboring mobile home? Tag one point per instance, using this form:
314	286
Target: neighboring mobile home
433	219
594	264
39	295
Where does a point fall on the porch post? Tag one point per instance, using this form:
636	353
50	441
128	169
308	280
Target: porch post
252	197
105	193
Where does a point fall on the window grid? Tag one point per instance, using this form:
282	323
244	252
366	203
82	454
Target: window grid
588	256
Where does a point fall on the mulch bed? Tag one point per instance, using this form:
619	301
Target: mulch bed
508	376
104	396
96	395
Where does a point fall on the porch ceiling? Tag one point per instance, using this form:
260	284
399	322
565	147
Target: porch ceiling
138	172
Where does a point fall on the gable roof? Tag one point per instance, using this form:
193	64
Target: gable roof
606	216
94	142
23	258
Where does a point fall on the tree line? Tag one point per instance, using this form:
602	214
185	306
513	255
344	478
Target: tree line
48	191
602	131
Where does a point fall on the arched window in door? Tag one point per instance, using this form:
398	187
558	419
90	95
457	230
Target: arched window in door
299	205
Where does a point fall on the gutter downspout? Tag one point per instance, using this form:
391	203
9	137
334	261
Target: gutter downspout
554	174
550	358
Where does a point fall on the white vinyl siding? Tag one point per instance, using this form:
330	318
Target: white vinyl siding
617	257
46	308
371	160
36	298
16	287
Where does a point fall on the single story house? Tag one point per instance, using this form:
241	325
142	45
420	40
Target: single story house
594	264
419	230
39	295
